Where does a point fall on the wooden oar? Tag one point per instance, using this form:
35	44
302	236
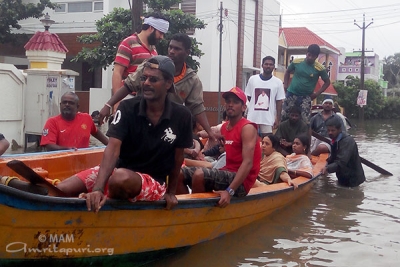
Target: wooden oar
363	160
30	175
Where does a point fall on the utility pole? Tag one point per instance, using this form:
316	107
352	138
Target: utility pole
220	26
361	114
137	13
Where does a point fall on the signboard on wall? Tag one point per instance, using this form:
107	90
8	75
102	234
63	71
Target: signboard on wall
52	82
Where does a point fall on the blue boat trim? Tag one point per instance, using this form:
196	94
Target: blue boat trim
27	201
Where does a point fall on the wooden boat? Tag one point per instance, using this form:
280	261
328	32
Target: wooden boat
36	227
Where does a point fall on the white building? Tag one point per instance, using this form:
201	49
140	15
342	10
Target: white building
250	32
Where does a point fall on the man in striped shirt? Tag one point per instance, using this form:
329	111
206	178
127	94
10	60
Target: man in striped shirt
134	49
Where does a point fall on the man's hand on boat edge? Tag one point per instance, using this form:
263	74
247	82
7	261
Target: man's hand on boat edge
225	198
171	200
94	200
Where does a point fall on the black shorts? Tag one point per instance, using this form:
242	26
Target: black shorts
214	179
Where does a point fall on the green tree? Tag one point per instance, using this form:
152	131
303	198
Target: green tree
11	11
391	70
347	97
391	110
115	26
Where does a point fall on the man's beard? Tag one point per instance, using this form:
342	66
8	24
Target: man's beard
68	114
152	38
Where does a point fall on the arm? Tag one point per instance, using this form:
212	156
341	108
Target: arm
198	163
96	199
117	80
202	119
53	147
101	137
278	113
105	112
117	77
249	140
327	82
285	177
169	196
286	79
297	173
215	129
4	144
249	88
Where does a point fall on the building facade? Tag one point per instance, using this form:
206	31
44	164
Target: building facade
352	66
250	32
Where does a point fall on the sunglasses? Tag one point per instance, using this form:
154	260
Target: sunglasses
151	79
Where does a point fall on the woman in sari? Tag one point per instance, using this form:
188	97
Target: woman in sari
298	163
273	167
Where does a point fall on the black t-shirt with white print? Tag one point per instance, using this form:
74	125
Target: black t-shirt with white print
149	148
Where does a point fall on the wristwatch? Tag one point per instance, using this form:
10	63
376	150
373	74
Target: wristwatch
230	191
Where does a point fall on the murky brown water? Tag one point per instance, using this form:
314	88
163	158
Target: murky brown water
330	226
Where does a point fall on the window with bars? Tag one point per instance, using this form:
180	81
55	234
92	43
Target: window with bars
77	7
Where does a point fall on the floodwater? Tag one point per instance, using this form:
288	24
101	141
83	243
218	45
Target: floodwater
330	226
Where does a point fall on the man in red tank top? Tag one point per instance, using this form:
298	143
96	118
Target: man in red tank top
243	154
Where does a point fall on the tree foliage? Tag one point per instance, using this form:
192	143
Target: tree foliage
391	70
391	110
116	26
11	11
347	97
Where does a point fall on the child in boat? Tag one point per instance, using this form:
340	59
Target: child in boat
195	151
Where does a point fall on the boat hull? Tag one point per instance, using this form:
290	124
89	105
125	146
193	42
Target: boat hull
38	227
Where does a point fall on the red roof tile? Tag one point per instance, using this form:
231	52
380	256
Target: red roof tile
45	41
303	37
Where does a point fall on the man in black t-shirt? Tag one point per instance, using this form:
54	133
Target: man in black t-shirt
145	149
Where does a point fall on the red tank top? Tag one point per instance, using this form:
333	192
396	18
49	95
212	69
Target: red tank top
233	148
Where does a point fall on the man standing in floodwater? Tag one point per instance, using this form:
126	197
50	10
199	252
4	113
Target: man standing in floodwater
344	158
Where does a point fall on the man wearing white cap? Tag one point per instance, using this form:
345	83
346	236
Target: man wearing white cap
134	49
317	124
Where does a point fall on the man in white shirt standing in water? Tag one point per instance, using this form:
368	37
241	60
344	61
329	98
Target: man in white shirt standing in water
268	115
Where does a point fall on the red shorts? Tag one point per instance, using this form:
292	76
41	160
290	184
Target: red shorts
151	189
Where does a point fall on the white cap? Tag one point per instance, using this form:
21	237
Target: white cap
327	100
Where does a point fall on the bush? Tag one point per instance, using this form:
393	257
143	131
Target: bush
391	109
347	97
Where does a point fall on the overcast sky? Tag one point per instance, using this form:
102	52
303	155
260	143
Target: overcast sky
334	22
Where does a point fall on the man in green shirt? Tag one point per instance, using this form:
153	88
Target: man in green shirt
306	73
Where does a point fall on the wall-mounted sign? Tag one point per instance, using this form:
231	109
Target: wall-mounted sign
52	82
